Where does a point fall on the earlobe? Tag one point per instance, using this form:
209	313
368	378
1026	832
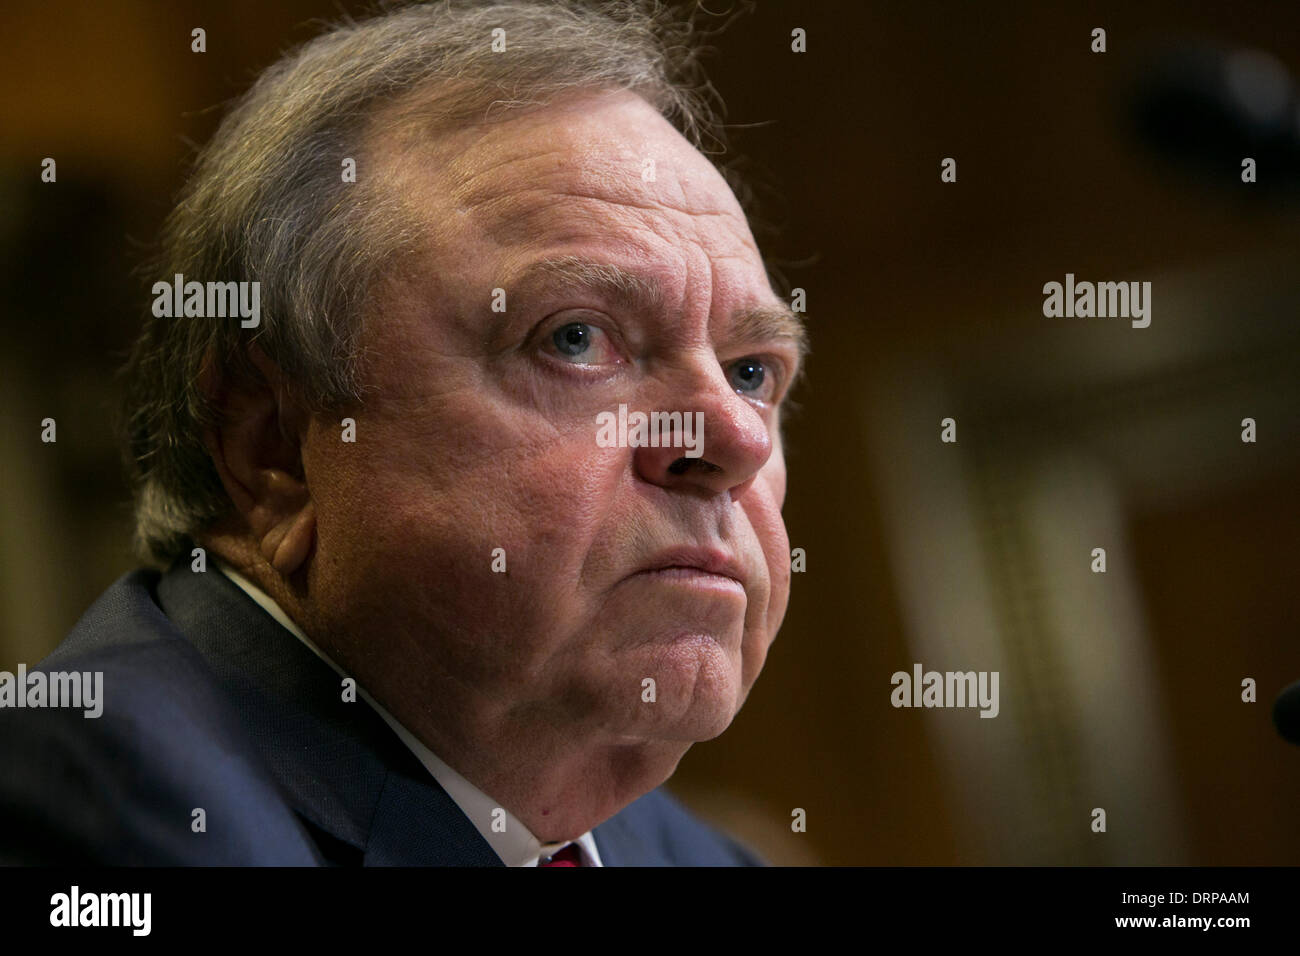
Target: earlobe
286	545
255	450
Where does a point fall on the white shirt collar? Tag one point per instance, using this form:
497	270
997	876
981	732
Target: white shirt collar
513	842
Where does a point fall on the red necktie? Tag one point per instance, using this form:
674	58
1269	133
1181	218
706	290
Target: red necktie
569	856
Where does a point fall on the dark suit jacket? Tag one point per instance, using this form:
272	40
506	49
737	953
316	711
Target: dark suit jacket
209	703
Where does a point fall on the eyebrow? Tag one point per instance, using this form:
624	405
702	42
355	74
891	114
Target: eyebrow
638	293
614	282
766	323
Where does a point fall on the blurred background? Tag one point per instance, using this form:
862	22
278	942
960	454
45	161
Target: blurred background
1120	690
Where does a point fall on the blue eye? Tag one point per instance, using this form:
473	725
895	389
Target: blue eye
583	343
572	339
747	375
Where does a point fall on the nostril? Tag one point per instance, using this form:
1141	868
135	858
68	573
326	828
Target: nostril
682	465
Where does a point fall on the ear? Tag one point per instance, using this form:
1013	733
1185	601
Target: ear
256	447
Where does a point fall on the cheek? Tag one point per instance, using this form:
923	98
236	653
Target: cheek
774	471
440	518
764	512
763	621
776	548
490	558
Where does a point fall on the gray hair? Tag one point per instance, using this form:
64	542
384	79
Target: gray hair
266	202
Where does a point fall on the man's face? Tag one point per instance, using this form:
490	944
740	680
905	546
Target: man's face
480	429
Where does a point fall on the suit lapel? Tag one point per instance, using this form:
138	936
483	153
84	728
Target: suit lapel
416	824
341	767
620	844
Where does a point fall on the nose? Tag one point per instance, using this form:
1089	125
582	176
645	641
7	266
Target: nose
725	454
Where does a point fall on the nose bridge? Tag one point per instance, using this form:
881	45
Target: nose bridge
723	440
731	424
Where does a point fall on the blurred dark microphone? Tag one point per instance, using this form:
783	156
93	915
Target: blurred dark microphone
1208	108
1286	713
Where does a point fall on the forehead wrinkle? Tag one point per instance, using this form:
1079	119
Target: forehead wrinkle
509	217
539	216
629	198
467	173
605	183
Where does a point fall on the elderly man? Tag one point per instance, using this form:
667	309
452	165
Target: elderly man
416	611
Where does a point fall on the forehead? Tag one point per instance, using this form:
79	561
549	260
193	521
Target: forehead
600	170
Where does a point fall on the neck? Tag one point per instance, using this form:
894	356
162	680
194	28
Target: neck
556	778
553	777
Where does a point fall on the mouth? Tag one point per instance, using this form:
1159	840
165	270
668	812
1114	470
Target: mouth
695	567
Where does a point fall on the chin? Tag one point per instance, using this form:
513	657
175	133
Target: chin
698	692
700	723
703	726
